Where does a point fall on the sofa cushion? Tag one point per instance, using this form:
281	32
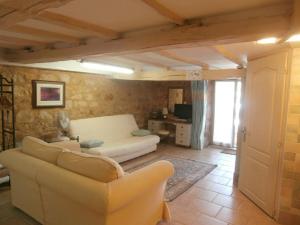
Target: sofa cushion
98	168
124	146
94	143
141	132
39	149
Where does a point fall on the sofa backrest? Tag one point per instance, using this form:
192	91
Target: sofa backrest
39	149
106	128
98	168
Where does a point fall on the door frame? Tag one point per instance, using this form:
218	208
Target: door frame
283	123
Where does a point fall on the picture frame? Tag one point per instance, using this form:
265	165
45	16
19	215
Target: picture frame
48	94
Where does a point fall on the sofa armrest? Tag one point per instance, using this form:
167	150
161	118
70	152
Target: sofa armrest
134	185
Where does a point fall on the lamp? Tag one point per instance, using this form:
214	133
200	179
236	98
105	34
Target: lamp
64	122
165	112
294	38
269	40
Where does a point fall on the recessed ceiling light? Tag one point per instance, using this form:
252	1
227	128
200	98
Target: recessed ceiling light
106	67
294	38
269	40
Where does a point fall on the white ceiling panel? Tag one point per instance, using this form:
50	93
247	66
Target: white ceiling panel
124	15
50	27
200	8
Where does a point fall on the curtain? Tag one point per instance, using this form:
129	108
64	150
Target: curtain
199	100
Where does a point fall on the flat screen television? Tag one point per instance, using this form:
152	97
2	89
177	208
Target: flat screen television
183	111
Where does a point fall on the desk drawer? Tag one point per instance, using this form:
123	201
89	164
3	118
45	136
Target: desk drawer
183	128
183	141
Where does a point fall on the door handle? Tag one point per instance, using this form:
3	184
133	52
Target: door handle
244	133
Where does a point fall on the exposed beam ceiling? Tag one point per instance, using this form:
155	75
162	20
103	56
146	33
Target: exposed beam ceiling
20	10
176	57
246	25
229	55
42	33
75	24
164	11
20	41
145	61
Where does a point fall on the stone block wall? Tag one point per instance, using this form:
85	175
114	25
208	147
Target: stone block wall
89	96
290	182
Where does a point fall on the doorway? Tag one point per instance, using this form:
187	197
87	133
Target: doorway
227	96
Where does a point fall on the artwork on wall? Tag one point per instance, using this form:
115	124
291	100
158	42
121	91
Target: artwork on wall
46	94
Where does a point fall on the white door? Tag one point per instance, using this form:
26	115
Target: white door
263	113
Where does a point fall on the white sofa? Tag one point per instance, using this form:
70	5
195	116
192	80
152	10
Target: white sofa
115	131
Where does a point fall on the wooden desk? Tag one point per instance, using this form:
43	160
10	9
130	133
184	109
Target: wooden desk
183	129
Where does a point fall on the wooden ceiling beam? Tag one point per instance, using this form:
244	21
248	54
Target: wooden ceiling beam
20	41
22	10
42	33
229	56
179	58
4	44
268	21
164	11
167	75
75	24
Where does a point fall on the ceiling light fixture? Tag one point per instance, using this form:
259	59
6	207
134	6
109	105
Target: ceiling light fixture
106	67
269	40
294	38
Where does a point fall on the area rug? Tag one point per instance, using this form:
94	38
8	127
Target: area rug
229	151
187	173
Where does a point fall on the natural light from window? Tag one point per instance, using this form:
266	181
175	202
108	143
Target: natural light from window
226	112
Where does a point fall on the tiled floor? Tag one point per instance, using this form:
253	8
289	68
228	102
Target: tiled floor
214	200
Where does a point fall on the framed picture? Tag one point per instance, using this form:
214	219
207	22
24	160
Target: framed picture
47	94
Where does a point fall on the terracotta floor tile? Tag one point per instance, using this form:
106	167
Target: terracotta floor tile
218	172
194	206
228	201
222	189
232	216
219	188
207	220
217	179
197	192
250	210
205	207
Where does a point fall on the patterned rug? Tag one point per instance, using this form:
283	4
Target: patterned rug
187	173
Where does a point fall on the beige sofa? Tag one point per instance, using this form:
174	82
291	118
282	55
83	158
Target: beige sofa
59	187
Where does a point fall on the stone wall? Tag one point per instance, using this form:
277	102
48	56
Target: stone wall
88	96
290	182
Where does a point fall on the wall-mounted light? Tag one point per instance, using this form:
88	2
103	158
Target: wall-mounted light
106	67
269	40
294	38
